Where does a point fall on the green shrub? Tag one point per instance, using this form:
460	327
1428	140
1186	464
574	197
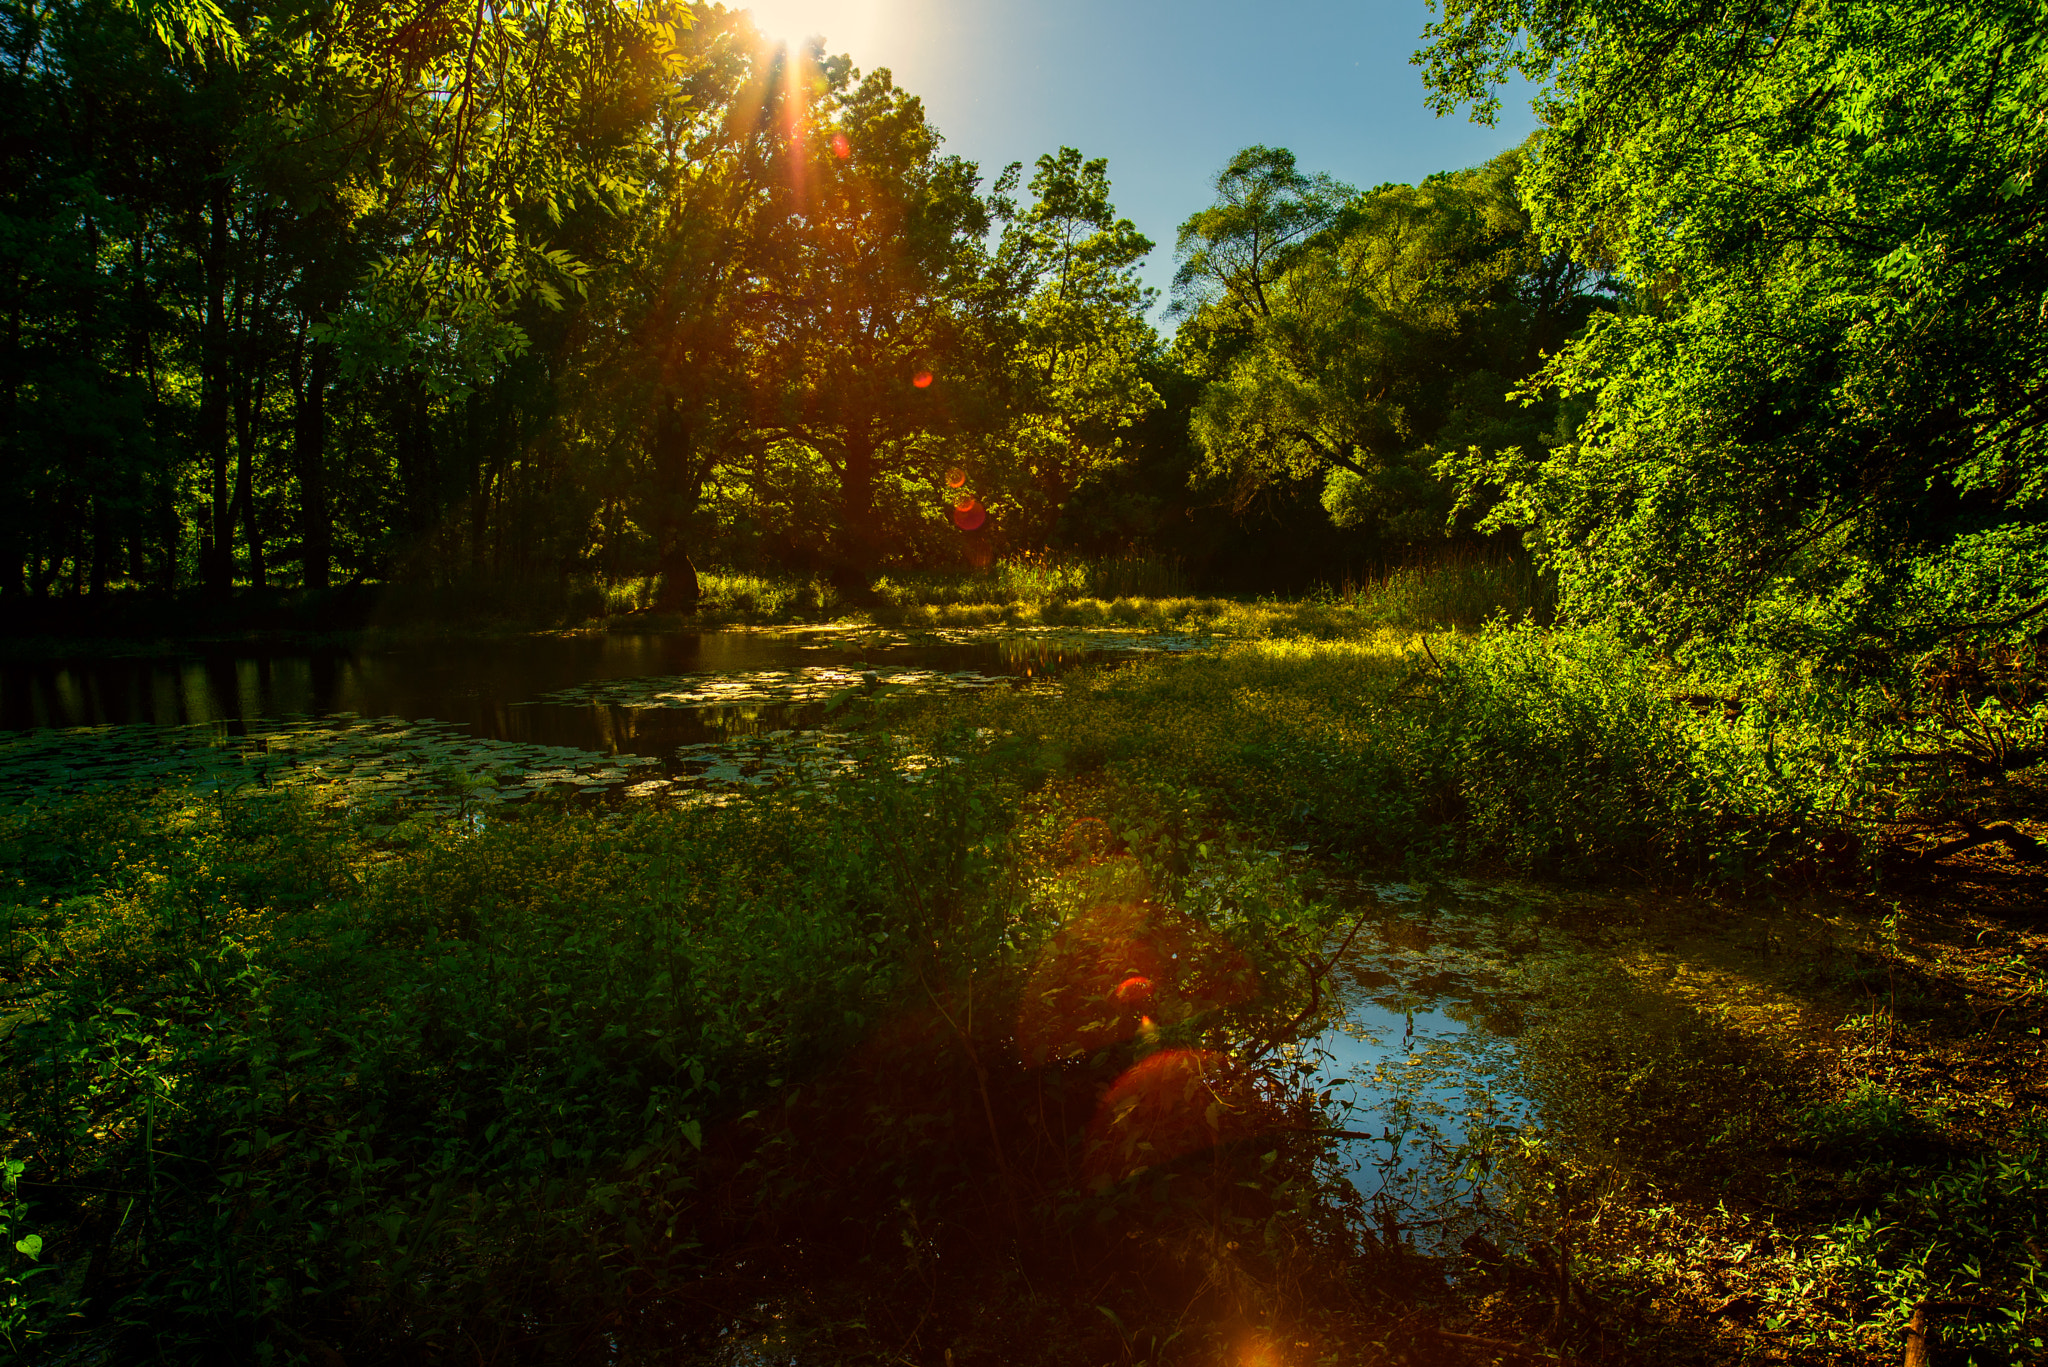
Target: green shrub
281	1086
1868	1120
1974	1232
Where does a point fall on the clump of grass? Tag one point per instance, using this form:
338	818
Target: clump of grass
1867	1120
1456	593
1041	579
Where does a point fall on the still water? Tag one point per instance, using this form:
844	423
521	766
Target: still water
1422	1053
497	689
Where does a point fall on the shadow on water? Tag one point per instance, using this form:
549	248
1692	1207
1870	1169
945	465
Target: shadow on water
487	687
692	716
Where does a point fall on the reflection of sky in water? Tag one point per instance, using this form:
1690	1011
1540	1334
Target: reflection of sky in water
1422	1056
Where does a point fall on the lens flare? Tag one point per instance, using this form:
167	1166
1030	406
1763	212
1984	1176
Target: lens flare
841	148
968	518
1171	1104
962	501
955	477
1115	964
923	379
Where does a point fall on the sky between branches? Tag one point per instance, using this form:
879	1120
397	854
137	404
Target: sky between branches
1166	91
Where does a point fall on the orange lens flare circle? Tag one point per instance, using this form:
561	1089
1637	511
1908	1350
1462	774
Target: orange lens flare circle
955	477
969	516
841	148
963	501
923	379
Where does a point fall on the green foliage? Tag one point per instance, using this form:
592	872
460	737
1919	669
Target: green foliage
603	289
1971	1231
1084	344
1868	1120
423	1081
1349	336
1458	592
1823	388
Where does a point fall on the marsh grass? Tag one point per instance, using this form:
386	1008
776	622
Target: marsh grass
1542	752
1456	592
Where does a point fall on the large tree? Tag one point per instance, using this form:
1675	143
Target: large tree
1826	410
878	349
1347	337
1082	345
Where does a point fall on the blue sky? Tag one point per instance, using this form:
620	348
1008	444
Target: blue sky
1166	91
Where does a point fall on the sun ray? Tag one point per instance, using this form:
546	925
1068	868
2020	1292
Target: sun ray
845	26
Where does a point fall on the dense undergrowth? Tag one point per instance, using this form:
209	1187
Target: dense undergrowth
288	1084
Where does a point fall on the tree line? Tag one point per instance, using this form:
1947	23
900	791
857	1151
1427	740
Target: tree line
299	292
1746	340
509	292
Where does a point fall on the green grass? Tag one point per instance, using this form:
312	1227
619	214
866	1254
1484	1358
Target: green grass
282	1084
643	1084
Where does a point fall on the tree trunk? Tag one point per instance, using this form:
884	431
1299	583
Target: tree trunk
412	422
248	410
218	551
679	486
171	534
853	565
102	544
309	449
680	589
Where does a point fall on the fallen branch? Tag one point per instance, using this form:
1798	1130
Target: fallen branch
1920	1338
2022	846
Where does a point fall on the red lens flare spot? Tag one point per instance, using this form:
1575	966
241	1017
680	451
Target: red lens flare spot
955	477
923	379
962	501
841	148
1114	964
968	518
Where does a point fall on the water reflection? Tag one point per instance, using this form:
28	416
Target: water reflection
1422	1052
481	684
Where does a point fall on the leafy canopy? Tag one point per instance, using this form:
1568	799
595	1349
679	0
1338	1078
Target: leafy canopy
1823	413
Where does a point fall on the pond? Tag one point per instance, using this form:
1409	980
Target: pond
1419	1057
497	720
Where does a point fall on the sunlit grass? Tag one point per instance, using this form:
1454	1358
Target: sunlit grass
1133	592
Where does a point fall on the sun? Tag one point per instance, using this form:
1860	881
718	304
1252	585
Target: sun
845	26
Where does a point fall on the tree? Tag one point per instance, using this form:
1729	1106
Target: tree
1825	412
1083	345
879	346
1346	336
666	376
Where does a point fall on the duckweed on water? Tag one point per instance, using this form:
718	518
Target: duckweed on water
434	764
813	684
